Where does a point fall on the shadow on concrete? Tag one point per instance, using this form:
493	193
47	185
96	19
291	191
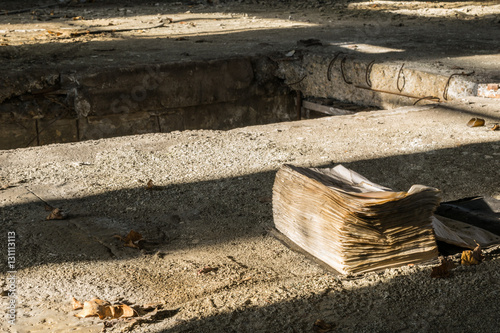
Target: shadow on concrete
405	303
183	216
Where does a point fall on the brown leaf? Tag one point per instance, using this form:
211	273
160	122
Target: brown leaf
48	208
443	270
472	257
131	240
478	253
131	244
104	310
475	122
93	308
133	236
468	259
76	304
120	311
150	185
54	33
320	326
495	127
57	214
207	269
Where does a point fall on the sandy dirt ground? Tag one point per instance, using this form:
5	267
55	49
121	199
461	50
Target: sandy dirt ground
210	200
111	33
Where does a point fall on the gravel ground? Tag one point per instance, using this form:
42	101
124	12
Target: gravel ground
210	206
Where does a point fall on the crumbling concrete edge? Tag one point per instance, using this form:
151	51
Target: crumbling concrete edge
374	82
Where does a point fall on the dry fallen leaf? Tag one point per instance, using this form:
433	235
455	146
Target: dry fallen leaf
150	185
443	270
207	269
475	122
120	311
54	33
132	245
468	259
131	239
76	304
495	127
93	308
320	326
57	214
133	236
104	310
472	257
478	253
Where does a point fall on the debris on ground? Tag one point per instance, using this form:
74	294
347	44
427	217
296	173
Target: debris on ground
131	240
57	214
207	269
472	257
443	270
102	309
476	122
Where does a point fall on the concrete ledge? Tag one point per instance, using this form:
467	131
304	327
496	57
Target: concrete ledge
370	81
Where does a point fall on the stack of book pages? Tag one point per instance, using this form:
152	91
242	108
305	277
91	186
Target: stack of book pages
352	224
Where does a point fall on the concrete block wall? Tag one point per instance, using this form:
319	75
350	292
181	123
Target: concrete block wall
43	107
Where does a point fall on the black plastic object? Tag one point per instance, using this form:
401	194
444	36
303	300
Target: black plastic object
482	212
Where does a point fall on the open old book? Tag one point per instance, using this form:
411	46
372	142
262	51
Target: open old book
351	223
